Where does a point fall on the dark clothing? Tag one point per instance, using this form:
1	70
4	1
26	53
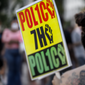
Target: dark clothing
1	44
1	62
13	58
1	47
81	61
71	52
68	37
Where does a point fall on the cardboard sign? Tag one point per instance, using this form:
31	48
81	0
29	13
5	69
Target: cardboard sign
43	38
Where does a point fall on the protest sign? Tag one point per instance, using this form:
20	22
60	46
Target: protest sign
43	38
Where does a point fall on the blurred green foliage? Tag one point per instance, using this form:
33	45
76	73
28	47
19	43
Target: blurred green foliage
20	2
3	4
59	4
5	18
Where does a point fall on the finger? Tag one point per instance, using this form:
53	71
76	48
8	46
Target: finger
53	82
55	77
58	75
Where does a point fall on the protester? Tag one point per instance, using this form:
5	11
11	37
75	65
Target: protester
78	48
69	42
11	39
76	76
80	20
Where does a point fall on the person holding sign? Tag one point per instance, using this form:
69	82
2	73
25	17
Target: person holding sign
76	76
12	38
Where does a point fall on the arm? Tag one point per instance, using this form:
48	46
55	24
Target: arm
76	39
73	77
16	39
5	36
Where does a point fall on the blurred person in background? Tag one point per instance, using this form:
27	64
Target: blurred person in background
69	42
78	48
11	38
67	33
80	20
1	54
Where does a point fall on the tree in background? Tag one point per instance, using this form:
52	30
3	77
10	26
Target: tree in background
5	18
59	4
3	7
3	4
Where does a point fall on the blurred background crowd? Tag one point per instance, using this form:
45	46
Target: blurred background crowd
12	52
